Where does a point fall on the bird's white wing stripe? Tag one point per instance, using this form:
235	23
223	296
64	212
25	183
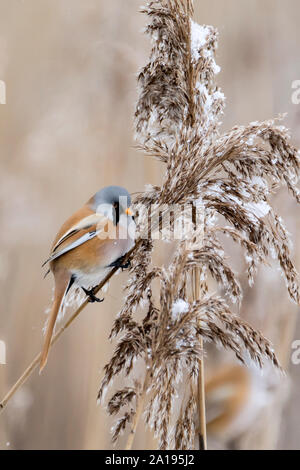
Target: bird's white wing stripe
85	223
86	237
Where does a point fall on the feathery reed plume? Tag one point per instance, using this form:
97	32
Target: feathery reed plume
226	179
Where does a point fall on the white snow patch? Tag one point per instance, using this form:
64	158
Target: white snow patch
218	95
198	39
258	181
179	307
216	68
260	209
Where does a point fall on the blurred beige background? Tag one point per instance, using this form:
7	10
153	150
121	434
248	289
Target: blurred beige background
66	130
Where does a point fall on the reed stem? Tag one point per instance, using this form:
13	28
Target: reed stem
34	364
138	413
201	380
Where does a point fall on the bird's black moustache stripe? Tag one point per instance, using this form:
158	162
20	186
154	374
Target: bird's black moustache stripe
116	214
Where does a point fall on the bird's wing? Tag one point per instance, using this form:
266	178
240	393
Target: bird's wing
95	220
83	224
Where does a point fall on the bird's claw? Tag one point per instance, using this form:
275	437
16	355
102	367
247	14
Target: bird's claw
119	263
91	296
93	299
127	265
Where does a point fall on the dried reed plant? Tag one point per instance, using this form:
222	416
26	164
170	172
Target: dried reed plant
227	179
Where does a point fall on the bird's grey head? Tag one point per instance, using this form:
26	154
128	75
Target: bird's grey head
113	201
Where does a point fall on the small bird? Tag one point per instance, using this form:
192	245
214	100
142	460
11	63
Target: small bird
91	242
227	394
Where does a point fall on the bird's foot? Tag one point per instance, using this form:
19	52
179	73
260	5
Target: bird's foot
91	295
119	263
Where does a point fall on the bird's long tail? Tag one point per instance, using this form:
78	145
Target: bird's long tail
62	285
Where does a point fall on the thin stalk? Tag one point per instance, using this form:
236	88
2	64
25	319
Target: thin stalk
196	272
190	67
201	380
138	413
34	364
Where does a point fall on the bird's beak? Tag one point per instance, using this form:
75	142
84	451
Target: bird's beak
128	211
